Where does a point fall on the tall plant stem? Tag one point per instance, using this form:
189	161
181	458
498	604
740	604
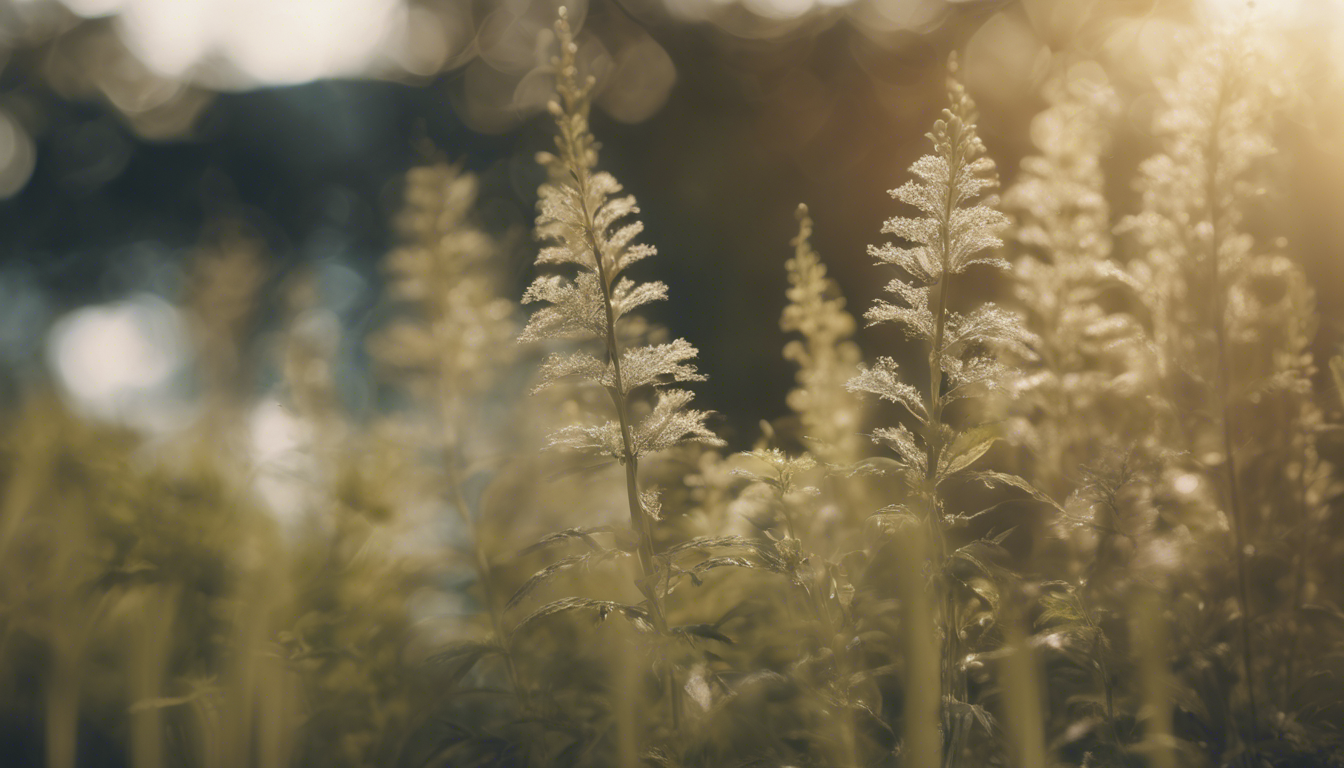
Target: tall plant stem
577	148
815	591
936	533
638	519
1103	670
849	742
1238	524
485	579
1299	567
1224	386
934	446
62	704
1099	635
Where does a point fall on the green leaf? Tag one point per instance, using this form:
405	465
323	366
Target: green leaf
985	590
451	665
582	534
864	675
707	631
761	548
990	479
984	555
549	572
1061	608
966	449
604	608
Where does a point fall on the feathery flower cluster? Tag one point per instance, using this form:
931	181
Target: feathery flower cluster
953	235
1214	128
1200	268
446	345
581	215
826	356
1088	351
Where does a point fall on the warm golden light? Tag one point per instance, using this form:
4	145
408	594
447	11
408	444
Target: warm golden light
671	383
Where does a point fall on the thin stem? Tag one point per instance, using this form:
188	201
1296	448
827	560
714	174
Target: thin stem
1243	591
934	446
638	519
849	742
812	589
1103	668
62	704
575	145
1110	500
788	518
1299	565
484	578
1224	386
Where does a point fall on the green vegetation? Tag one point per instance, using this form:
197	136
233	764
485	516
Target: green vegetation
1100	526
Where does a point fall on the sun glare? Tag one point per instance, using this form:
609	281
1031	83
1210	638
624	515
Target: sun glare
255	42
118	361
1288	13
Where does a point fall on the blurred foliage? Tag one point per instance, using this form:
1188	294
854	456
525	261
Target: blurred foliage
1101	525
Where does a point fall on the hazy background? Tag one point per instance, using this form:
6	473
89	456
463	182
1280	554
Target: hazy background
130	128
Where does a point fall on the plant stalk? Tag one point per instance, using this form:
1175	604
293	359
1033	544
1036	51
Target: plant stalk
1224	386
484	578
638	519
1299	571
933	442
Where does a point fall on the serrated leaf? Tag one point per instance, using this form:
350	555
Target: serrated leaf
884	380
671	423
1062	611
875	465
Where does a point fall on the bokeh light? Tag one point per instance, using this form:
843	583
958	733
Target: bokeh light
261	383
17	155
121	361
237	43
